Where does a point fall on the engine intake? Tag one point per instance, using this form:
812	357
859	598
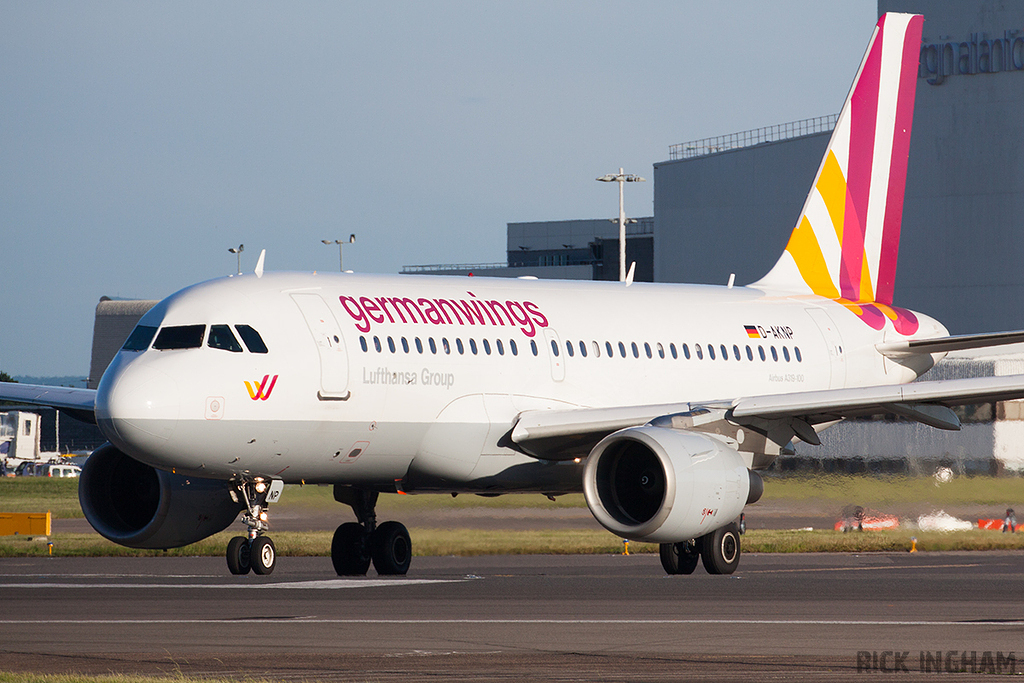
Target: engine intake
135	505
664	485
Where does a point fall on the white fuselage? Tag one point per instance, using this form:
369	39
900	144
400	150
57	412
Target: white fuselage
413	381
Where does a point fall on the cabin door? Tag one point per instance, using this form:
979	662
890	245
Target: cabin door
834	341
554	349
330	346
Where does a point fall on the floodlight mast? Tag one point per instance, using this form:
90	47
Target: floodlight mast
621	178
351	240
237	251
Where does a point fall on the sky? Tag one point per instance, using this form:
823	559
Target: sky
139	141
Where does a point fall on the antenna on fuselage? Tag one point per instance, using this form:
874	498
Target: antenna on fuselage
629	275
259	264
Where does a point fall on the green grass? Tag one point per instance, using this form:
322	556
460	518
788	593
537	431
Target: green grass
473	542
39	494
60	496
29	494
876	491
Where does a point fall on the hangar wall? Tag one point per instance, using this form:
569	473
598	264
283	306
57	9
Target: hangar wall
731	211
962	242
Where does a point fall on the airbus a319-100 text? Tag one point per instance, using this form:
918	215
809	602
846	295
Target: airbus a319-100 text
659	401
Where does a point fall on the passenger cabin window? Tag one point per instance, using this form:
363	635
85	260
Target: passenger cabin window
140	338
221	338
180	337
251	338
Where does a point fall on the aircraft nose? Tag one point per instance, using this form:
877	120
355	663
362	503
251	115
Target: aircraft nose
137	408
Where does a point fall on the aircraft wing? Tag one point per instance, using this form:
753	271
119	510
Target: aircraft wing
79	403
567	434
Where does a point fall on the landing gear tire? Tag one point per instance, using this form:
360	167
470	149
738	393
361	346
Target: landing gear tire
263	555
391	549
239	555
720	550
679	558
348	552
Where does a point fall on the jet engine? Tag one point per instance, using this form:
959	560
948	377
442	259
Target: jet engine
138	506
665	485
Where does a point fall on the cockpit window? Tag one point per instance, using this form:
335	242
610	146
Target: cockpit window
140	338
180	337
221	338
252	339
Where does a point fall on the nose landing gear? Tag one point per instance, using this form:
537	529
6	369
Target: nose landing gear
356	544
254	551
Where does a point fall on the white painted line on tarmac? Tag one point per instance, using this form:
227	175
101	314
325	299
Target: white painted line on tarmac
328	584
519	622
879	568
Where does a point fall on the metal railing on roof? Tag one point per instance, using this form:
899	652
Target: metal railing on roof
748	138
440	267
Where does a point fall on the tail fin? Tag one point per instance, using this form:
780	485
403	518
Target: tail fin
846	240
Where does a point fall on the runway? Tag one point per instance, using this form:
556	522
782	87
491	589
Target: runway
802	617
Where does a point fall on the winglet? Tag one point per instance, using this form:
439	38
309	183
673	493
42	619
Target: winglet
259	264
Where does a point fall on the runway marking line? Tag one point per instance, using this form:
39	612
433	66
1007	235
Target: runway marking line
862	569
325	584
516	622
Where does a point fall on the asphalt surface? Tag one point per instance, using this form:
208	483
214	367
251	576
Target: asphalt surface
546	618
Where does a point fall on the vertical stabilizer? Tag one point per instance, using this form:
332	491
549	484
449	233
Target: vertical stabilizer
846	241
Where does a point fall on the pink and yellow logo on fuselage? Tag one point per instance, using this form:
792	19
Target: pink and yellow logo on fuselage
260	391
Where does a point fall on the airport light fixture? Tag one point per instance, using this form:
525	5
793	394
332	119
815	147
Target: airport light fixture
351	240
621	178
237	251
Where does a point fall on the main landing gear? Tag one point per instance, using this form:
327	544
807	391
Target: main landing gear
356	544
253	551
719	550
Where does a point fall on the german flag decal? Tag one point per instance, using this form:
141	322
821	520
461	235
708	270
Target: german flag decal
752	331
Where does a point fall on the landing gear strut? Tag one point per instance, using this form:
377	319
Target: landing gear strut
356	544
719	551
255	550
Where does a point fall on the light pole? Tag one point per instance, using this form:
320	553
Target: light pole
238	252
351	240
620	178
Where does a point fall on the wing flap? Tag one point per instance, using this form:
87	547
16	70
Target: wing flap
566	434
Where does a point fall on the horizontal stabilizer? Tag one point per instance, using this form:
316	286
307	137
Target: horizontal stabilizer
913	347
831	404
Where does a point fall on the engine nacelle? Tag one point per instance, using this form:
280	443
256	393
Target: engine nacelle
138	506
665	485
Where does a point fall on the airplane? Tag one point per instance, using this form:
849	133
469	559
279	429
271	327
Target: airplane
660	402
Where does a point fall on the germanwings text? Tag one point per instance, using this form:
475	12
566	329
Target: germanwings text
366	310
